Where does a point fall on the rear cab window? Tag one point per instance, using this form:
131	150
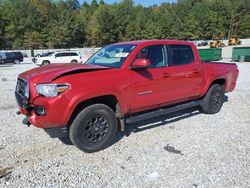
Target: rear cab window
180	55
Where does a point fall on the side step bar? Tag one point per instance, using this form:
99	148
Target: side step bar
162	111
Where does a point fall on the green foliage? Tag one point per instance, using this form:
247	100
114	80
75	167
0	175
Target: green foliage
1	28
245	26
65	23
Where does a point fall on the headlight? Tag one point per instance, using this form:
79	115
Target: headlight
51	90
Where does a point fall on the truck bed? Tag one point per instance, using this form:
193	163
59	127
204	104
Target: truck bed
222	70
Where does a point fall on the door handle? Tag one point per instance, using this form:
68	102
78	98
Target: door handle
165	75
195	71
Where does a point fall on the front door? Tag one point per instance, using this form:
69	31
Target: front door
148	85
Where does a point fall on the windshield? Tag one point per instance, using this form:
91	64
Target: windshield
112	55
2	55
51	54
46	54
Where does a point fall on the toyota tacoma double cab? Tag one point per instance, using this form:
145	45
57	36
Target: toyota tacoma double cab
120	84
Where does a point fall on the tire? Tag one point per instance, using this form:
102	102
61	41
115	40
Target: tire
213	100
74	61
16	61
94	128
45	63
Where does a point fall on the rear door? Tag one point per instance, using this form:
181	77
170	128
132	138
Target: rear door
185	73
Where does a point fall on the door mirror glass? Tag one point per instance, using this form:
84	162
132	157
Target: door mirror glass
141	63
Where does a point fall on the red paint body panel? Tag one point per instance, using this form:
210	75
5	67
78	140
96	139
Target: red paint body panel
135	90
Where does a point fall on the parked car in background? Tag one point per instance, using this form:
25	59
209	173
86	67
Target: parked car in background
12	57
59	57
203	43
1	61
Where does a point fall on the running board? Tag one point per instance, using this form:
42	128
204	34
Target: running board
162	111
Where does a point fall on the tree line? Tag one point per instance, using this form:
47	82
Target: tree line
34	24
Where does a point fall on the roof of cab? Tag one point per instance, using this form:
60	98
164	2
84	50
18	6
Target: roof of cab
155	41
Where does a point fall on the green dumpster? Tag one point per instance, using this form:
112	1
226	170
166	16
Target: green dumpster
241	51
210	54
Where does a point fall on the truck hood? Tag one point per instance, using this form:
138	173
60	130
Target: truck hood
53	71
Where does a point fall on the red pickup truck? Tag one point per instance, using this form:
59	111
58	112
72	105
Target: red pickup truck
122	83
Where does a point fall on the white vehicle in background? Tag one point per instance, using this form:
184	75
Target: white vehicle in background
59	57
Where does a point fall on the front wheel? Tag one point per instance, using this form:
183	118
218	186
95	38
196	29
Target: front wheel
213	100
94	128
45	63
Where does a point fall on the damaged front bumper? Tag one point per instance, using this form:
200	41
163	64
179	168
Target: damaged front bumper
31	117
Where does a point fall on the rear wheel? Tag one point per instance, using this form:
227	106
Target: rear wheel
213	100
16	61
94	128
45	63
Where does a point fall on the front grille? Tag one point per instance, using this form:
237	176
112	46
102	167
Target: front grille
22	88
22	91
20	100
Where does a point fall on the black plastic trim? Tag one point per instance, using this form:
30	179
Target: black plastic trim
57	132
161	111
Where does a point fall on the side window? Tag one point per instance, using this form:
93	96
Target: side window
58	55
64	54
9	55
3	55
72	54
155	54
61	55
180	55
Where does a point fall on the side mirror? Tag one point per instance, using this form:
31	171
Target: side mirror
141	63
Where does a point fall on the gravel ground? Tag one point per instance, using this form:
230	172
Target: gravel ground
185	149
